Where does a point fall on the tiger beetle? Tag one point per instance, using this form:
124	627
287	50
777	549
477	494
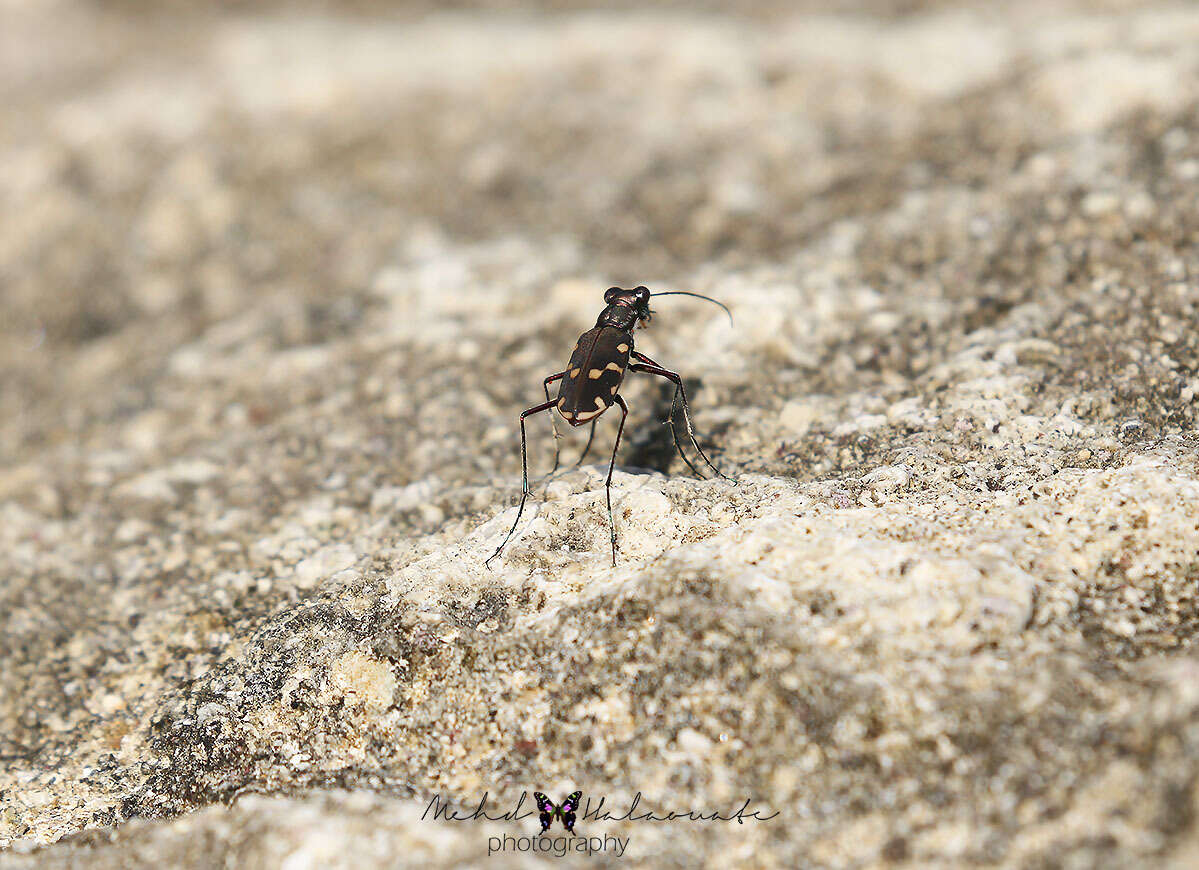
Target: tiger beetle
590	383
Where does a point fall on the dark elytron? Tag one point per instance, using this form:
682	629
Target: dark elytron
591	383
594	373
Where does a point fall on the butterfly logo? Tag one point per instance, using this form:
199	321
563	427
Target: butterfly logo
564	811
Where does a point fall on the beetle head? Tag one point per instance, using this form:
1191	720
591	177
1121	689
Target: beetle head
626	308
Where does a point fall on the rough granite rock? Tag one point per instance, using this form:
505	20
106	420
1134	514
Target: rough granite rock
276	285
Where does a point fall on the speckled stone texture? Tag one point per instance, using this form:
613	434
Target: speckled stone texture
276	285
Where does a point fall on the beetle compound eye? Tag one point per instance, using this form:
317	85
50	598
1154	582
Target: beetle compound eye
611	294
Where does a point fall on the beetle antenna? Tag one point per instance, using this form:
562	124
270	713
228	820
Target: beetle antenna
697	296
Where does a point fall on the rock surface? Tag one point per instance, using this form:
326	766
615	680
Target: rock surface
276	286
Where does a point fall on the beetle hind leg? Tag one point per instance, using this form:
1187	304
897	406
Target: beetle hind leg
587	448
624	412
524	464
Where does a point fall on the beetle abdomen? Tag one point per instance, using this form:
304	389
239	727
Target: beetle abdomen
594	374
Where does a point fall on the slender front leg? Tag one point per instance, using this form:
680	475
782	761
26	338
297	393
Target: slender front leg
652	368
624	412
587	449
524	466
554	420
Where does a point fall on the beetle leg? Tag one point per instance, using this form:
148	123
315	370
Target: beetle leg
553	420
652	368
586	449
624	412
524	464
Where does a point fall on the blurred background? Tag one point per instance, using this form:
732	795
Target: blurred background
277	279
166	167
